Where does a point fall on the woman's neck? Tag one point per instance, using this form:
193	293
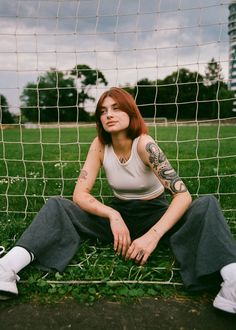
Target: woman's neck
121	143
122	147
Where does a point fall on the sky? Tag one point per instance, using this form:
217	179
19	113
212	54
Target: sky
127	40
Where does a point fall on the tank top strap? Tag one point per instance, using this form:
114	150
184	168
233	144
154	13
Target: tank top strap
135	145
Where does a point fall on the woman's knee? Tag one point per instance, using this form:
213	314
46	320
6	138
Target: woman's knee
205	200
54	201
54	205
210	198
201	206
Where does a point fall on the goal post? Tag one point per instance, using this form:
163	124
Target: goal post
156	121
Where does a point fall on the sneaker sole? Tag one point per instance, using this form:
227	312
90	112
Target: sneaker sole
224	305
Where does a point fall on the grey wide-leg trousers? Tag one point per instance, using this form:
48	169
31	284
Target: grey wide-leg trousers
201	240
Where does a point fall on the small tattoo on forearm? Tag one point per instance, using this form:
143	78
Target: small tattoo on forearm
83	175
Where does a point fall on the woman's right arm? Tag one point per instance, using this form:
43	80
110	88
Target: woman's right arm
88	174
82	196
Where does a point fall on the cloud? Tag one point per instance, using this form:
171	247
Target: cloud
127	40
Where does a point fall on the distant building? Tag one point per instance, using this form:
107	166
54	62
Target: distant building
232	48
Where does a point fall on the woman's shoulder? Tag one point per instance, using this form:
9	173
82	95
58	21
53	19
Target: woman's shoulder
97	148
144	139
97	143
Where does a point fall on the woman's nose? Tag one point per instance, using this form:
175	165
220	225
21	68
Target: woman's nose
109	114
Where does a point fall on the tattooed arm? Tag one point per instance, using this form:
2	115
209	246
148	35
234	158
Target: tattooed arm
82	196
154	157
160	165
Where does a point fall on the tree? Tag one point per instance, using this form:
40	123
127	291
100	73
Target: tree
5	116
85	79
145	92
173	97
183	90
53	98
213	73
218	98
186	95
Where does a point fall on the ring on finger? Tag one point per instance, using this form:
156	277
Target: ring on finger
140	254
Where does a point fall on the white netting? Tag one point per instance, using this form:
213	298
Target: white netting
134	44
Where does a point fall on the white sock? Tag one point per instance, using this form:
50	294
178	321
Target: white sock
17	258
228	272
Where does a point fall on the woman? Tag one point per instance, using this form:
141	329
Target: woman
138	216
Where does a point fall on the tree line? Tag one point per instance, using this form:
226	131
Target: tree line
61	97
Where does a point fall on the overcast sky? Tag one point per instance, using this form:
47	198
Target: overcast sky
126	39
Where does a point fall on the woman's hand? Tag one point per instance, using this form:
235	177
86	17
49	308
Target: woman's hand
142	247
120	232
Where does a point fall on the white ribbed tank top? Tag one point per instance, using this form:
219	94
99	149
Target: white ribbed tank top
133	179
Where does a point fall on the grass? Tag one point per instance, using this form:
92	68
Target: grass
38	163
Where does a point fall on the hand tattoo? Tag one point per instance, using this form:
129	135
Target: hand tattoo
164	169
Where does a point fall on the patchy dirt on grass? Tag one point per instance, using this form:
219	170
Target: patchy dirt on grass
148	313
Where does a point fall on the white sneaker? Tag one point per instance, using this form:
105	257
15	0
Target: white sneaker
226	298
8	280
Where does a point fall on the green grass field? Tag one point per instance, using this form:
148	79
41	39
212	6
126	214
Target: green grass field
36	164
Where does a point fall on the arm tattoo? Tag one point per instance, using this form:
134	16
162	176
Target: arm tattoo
160	163
83	175
156	156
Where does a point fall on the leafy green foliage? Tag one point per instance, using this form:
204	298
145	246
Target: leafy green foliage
5	115
186	95
53	98
87	78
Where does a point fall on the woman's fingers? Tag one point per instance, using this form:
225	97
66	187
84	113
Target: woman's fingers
120	244
144	259
121	235
138	255
129	252
123	244
116	240
126	244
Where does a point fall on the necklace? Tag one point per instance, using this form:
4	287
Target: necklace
123	156
123	159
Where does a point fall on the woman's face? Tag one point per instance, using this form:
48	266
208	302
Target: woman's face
112	118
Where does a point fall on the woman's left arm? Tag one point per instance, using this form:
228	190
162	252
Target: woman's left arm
153	156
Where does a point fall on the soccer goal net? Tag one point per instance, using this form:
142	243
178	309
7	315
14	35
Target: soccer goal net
56	58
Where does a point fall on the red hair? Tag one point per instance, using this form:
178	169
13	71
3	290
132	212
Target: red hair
127	104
